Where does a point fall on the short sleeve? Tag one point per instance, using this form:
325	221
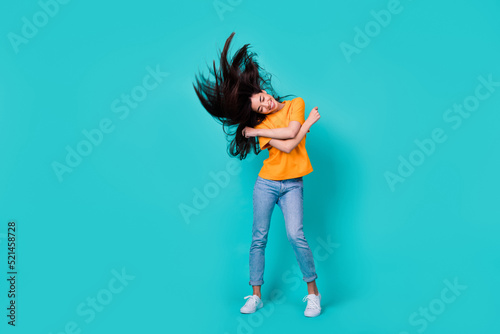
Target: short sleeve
263	141
297	110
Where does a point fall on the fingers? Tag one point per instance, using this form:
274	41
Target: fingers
314	115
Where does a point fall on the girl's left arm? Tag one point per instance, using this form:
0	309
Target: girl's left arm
289	132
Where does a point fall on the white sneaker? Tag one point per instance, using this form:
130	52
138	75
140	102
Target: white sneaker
253	304
313	308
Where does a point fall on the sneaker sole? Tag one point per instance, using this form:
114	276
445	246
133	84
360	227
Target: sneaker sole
312	316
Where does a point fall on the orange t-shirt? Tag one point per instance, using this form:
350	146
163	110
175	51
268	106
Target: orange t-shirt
281	165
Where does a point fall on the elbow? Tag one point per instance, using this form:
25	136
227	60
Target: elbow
294	132
285	148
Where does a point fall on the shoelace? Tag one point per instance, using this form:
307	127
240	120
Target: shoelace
311	304
252	299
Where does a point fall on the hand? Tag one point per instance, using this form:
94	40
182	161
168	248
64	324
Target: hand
313	116
249	132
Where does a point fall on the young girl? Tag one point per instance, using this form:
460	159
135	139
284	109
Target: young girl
238	101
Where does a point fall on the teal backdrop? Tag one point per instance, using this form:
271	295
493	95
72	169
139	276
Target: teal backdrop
131	217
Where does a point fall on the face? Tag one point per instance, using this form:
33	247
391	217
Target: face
263	103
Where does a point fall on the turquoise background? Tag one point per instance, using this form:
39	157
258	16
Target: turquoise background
120	207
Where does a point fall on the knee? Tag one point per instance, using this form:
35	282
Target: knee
258	243
295	237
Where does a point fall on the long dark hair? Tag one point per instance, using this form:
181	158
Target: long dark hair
227	98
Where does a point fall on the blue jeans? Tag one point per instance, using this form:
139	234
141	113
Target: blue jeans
288	194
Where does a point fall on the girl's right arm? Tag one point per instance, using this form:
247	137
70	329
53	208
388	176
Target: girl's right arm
278	133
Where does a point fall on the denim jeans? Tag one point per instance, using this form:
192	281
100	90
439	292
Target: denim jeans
288	194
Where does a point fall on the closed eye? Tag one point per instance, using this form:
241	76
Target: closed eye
260	100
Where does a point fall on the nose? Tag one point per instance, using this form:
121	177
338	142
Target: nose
266	102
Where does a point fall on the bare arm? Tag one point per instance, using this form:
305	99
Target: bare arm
279	133
289	144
